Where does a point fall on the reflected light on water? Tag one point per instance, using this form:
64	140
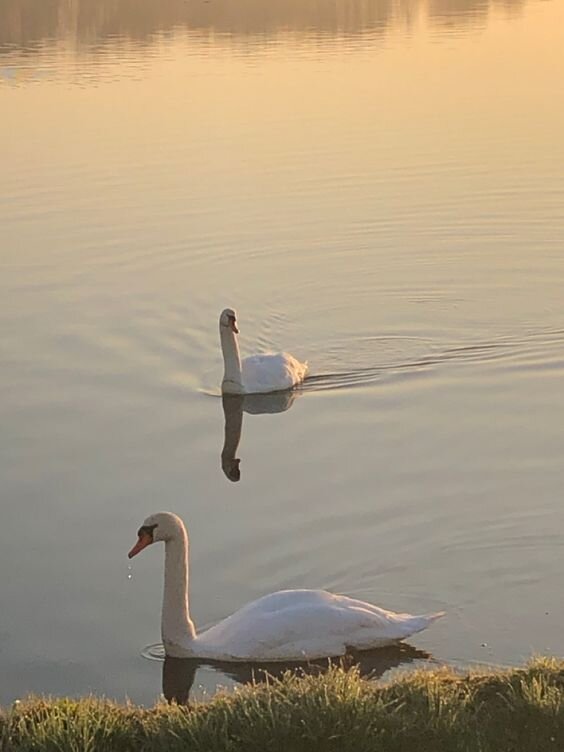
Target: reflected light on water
83	35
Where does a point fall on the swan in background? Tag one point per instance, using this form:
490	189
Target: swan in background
179	673
257	374
233	407
283	626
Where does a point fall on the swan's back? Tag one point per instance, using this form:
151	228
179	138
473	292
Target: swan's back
271	372
293	624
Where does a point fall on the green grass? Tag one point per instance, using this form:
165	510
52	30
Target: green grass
521	709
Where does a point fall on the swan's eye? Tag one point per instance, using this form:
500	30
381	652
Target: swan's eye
146	530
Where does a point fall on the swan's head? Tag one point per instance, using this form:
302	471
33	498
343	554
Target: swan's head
228	319
230	466
163	526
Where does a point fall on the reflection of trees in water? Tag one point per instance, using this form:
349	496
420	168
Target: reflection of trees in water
23	22
459	13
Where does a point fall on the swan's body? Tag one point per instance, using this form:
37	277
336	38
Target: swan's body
257	374
293	624
283	626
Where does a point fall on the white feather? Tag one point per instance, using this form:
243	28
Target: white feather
271	372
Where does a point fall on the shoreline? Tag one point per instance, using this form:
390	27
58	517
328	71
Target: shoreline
482	710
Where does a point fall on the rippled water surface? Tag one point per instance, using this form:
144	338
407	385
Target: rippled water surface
377	187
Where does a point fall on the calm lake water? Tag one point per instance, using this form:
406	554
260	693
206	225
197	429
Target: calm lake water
378	188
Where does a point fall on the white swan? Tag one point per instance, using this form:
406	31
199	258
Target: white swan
257	374
283	626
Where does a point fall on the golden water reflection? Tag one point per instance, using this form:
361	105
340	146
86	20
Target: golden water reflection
87	23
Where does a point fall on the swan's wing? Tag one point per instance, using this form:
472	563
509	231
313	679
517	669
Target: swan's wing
271	372
310	624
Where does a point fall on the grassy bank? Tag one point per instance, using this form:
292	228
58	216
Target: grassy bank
519	710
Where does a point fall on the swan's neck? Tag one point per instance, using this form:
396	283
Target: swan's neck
176	626
232	378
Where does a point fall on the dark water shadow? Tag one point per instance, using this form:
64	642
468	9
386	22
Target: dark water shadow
234	405
179	673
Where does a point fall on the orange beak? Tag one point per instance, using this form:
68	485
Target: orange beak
234	326
144	541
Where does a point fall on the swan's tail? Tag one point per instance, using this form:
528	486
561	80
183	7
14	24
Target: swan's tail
430	618
419	623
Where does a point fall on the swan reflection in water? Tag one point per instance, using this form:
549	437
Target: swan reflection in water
179	673
234	405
